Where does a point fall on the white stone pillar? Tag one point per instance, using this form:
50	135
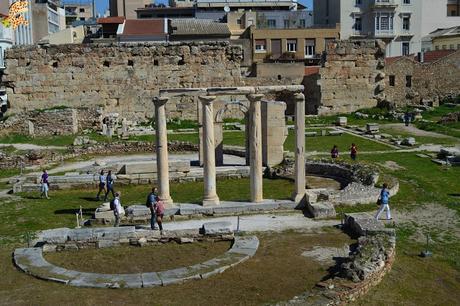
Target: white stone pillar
161	142
255	146
209	158
299	191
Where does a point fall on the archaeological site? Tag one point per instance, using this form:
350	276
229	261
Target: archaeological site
229	153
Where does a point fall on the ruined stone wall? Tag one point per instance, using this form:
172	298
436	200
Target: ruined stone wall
431	82
119	78
58	121
350	79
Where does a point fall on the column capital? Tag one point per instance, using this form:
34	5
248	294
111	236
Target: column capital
207	99
299	96
159	101
254	97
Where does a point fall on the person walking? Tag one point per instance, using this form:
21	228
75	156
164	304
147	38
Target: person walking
160	211
44	185
334	152
101	184
353	151
109	182
117	209
407	118
384	200
152	200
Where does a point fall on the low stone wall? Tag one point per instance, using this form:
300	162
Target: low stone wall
31	260
362	270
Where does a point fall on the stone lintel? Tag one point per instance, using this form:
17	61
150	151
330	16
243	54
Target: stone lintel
159	101
224	91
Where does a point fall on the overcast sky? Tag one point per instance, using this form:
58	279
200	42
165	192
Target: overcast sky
102	5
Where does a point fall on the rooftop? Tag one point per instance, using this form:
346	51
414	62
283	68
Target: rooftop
144	27
190	26
117	20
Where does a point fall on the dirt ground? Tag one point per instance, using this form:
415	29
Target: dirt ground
131	259
277	272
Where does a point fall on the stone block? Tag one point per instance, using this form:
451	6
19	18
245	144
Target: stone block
53	236
102	243
217	228
80	234
150	279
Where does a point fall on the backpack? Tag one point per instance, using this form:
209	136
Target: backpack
112	204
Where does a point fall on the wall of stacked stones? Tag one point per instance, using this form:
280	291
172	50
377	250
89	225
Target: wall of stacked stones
118	78
350	79
61	121
430	82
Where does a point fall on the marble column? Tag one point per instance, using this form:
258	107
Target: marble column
161	142
255	147
209	158
299	192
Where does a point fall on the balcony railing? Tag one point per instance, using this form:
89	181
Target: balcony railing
384	33
385	4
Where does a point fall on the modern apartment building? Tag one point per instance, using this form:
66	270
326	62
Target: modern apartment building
126	8
45	17
296	44
400	23
81	11
453	8
6	35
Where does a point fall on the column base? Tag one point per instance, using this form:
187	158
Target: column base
298	197
257	200
211	201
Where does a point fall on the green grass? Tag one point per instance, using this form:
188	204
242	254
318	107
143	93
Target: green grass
33	213
63	140
420	139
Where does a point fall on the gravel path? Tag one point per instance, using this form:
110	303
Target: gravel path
411	129
28	146
257	223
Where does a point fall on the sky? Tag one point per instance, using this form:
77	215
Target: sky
102	5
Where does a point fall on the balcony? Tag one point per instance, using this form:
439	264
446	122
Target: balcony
384	34
358	34
406	33
387	4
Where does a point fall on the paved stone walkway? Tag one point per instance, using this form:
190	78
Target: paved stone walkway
31	261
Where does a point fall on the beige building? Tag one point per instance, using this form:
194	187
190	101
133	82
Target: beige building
446	39
71	35
306	43
127	8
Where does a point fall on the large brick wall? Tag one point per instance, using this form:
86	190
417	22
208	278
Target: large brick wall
351	78
431	82
117	78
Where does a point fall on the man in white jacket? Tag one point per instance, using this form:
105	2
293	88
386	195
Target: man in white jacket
118	210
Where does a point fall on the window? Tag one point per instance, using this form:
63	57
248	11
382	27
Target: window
392	80
286	23
444	47
292	45
309	48
238	21
261	45
405	49
358	2
384	22
406	2
358	24
408	81
82	10
302	23
451	47
271	23
82	18
406	23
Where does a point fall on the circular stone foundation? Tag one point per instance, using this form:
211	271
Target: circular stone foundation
31	261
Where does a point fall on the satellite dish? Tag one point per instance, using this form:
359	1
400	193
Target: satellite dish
226	9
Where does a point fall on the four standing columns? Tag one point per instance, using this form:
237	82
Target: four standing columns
255	147
299	191
209	158
162	150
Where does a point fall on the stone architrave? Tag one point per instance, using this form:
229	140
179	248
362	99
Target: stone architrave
299	192
162	150
209	159
255	143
